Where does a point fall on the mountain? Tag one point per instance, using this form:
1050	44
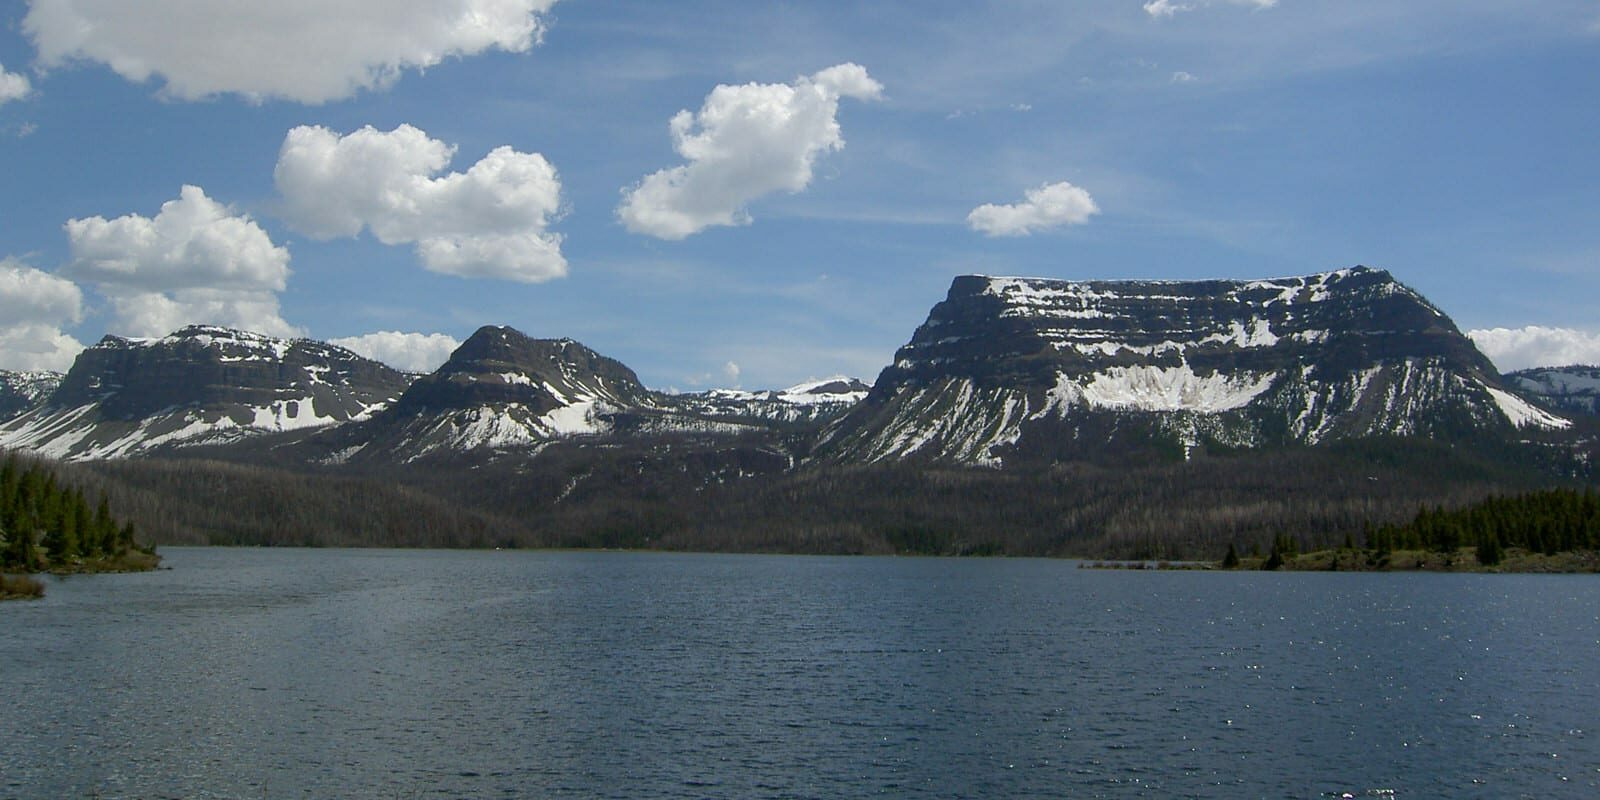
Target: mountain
1574	389
1015	369
500	390
505	393
24	391
200	385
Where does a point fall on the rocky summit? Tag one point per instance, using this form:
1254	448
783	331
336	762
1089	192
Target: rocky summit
1014	369
200	385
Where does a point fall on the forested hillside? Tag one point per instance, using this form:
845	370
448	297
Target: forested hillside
744	499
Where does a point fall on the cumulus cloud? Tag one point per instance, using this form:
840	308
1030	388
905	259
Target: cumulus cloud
411	352
745	142
160	313
488	222
1051	205
34	306
309	51
195	261
1166	8
1512	349
13	86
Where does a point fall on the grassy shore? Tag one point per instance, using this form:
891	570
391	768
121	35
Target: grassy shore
20	587
131	561
27	587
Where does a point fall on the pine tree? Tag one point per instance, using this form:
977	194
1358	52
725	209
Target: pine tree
1489	551
1231	560
105	528
1274	559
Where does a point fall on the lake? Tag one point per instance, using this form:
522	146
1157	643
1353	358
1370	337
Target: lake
249	673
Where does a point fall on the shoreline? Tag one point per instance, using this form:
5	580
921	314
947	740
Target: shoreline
27	586
1463	560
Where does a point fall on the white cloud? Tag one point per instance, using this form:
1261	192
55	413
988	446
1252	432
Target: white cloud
731	371
194	242
1512	349
1049	206
160	313
412	352
34	306
1165	8
195	261
310	51
1161	9
488	222
745	142
13	86
1183	77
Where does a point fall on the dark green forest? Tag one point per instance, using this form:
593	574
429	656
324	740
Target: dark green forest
1548	522
49	524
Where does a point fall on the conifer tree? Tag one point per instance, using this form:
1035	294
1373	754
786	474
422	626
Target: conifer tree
1231	560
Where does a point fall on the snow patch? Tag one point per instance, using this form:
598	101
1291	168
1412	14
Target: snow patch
1523	414
578	419
1150	388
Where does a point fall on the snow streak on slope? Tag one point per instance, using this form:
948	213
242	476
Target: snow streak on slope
1523	414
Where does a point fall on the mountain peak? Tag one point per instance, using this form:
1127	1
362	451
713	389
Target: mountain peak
502	388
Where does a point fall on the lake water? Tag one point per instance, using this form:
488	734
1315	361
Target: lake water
246	673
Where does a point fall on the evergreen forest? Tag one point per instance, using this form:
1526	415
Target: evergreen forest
48	524
1549	522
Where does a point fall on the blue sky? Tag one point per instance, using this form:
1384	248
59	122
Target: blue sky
754	194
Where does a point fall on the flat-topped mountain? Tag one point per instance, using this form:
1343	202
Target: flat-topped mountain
200	385
1016	367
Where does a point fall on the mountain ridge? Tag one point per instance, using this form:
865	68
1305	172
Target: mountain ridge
1004	369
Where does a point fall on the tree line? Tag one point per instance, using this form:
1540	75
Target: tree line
46	523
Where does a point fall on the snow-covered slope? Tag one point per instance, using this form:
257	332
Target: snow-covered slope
24	391
199	385
1574	389
1013	365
